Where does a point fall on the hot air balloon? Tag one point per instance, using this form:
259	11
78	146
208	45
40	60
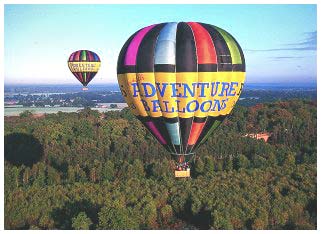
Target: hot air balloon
181	80
84	64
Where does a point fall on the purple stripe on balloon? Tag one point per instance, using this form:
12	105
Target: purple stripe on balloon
71	58
131	53
155	131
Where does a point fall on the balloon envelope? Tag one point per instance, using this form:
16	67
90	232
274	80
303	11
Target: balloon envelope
181	80
84	65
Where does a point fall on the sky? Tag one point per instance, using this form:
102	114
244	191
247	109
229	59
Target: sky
278	41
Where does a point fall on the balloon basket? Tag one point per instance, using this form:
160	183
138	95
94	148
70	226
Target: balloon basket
84	89
183	174
182	168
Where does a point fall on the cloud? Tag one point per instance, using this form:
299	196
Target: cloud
286	57
309	43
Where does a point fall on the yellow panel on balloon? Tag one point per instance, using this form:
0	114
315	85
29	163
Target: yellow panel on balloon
148	93
84	66
225	90
186	94
128	83
166	93
204	93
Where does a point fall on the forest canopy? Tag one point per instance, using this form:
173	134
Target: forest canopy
91	171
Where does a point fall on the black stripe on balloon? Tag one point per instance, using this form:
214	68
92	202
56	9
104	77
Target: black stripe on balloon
146	50
127	69
199	119
224	60
207	67
170	120
87	56
165	68
185	125
209	123
121	57
238	67
186	60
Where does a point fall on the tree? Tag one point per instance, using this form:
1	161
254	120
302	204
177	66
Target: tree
208	165
259	161
81	222
108	171
199	167
220	221
228	164
241	162
26	114
116	217
166	214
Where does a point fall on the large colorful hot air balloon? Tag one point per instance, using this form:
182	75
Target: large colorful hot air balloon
84	64
181	80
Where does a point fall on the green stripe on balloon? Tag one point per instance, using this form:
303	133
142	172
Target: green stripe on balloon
234	50
214	126
83	55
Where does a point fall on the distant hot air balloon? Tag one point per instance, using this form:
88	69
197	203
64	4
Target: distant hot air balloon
181	80
84	64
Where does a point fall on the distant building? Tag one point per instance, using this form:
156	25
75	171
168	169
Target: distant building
101	106
263	135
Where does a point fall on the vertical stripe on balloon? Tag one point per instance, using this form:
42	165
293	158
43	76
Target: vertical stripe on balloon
155	131
224	59
186	72
235	53
164	66
206	53
207	62
83	55
90	57
131	53
77	56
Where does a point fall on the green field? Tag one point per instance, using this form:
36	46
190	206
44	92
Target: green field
15	111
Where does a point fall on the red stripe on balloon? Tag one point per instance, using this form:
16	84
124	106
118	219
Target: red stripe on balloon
195	132
205	49
77	56
90	56
79	76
